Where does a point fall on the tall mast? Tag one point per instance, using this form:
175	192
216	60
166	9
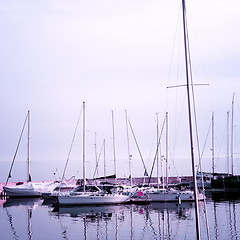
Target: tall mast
158	183
28	151
129	156
15	154
228	142
84	146
190	121
213	160
96	158
166	149
114	147
232	133
104	158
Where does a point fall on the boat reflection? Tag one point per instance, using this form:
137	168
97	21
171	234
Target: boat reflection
180	210
21	217
142	217
97	217
90	213
224	196
2	201
27	202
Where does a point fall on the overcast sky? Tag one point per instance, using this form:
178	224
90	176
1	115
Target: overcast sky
115	55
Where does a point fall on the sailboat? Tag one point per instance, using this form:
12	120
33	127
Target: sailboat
29	189
92	195
195	193
166	194
227	181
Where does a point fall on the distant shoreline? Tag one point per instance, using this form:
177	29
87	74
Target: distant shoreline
135	180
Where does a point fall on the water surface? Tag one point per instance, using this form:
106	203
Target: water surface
35	219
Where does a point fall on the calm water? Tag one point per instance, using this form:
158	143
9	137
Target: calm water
33	219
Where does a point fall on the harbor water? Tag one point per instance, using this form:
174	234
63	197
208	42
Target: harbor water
35	219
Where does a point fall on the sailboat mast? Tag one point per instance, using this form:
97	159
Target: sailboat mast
213	160
84	146
114	147
232	134
190	123
28	151
166	149
228	142
129	156
96	158
158	183
104	158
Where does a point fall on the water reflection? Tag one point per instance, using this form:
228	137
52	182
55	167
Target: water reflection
225	207
23	219
94	216
136	218
218	196
167	213
14	232
28	204
90	213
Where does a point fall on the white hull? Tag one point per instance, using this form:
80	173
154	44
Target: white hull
27	190
92	199
21	192
173	196
53	192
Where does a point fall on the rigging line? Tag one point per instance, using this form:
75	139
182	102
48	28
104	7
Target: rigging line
114	146
204	145
176	91
129	155
174	43
193	95
151	224
158	144
63	228
30	233
177	126
70	150
146	219
196	128
152	145
138	148
98	160
190	123
15	154
184	85
15	236
204	200
173	162
150	152
220	146
204	72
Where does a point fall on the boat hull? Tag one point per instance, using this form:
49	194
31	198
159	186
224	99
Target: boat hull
173	196
226	182
85	199
21	192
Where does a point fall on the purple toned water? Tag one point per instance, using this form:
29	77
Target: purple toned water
33	219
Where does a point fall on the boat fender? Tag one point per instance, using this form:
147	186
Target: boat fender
179	199
140	193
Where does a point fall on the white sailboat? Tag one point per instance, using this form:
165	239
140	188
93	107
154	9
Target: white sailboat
167	194
52	192
172	195
25	190
29	189
90	195
92	198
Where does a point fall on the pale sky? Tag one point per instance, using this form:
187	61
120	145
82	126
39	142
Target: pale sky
115	55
